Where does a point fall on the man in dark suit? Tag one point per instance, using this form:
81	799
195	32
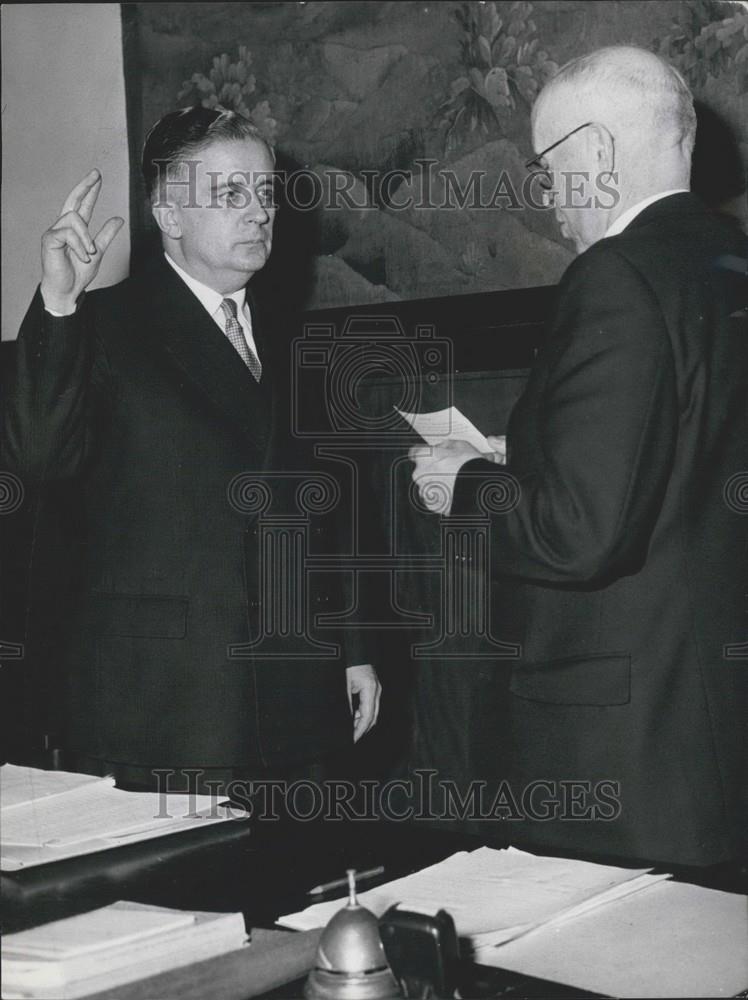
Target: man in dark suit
621	570
155	395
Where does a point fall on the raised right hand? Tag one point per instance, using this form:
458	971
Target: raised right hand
70	257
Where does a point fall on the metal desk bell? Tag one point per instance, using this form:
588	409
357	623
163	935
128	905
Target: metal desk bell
351	963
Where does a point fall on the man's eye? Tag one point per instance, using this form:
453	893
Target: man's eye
235	199
266	197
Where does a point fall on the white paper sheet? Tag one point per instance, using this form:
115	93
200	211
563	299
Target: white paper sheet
672	940
493	895
48	815
109	947
446	425
19	784
99	930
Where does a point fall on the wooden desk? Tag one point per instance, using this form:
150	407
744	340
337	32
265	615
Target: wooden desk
275	967
224	869
170	868
273	959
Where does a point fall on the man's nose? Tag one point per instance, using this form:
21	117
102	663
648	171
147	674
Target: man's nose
256	210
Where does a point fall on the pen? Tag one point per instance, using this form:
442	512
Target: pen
339	883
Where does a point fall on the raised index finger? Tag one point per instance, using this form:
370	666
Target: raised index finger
76	197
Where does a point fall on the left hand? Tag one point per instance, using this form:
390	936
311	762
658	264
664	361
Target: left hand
363	681
436	469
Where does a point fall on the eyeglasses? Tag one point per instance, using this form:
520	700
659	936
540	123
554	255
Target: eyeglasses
536	159
546	179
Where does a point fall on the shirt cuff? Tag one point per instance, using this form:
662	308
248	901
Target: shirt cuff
59	315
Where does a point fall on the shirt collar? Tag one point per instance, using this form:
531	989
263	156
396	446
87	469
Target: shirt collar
631	213
209	298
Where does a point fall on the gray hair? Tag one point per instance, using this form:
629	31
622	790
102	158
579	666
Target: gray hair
626	79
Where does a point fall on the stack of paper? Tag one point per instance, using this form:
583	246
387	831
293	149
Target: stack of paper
19	785
495	895
674	940
48	815
111	946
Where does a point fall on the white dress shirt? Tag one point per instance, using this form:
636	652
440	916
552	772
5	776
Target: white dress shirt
631	213
211	302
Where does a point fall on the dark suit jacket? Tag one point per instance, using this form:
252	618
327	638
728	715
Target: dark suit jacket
142	399
622	570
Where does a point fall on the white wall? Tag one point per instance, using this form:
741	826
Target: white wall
63	113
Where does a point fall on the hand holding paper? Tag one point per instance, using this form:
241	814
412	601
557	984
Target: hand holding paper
498	449
436	469
454	440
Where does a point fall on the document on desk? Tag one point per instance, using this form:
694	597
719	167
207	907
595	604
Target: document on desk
19	785
449	424
672	940
111	946
495	895
49	815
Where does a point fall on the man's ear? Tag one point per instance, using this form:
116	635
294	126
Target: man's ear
604	149
168	218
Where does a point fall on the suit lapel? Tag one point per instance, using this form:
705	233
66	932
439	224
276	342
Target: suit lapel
190	340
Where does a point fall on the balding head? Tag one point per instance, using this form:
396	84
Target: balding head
630	90
642	126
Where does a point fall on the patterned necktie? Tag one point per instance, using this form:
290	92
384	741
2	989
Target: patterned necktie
235	335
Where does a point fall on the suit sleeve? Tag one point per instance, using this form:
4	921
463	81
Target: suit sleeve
603	423
52	394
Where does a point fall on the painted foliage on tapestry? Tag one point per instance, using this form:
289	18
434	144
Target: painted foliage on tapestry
405	126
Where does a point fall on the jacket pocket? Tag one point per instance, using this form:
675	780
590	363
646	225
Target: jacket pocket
146	615
603	679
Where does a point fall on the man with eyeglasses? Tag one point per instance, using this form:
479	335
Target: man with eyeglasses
622	569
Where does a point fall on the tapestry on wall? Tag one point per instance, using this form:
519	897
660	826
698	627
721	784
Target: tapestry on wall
404	126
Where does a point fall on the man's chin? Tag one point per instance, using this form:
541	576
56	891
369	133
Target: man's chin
252	256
